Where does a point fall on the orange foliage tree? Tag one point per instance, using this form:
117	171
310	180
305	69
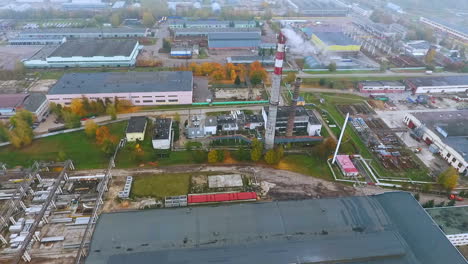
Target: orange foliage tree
103	134
77	108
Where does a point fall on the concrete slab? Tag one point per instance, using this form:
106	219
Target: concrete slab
224	181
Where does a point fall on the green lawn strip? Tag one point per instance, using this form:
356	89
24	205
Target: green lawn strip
161	185
77	147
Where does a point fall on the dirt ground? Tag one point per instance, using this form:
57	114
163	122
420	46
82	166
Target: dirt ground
464	250
42	86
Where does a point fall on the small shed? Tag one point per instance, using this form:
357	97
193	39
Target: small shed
136	128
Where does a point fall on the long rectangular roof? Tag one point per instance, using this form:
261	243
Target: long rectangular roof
440	81
335	38
390	228
123	82
12	100
95	47
234	36
40	31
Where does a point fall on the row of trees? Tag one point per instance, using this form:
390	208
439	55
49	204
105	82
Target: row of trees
102	136
19	132
83	107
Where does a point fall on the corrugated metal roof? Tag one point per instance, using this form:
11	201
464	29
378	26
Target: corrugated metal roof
390	228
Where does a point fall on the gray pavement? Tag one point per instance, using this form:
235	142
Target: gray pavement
385	74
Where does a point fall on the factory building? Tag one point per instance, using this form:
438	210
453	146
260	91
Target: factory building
386	228
71	33
182	53
346	166
162	133
211	24
205	32
305	121
417	48
449	84
451	220
321	8
334	42
46	40
381	87
458	32
141	88
446	133
36	103
87	53
234	40
264	60
136	128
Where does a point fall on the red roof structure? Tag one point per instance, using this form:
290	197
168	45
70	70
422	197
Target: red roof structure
221	197
346	164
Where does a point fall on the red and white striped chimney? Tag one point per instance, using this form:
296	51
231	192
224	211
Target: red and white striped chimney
280	54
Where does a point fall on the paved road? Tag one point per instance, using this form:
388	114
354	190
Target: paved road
326	90
380	74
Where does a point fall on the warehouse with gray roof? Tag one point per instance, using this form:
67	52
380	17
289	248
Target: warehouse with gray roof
87	53
70	33
141	88
390	228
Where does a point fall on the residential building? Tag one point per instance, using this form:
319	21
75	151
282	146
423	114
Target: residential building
452	221
136	128
381	87
346	166
71	33
87	53
390	228
305	121
162	133
36	103
445	132
140	88
234	40
427	85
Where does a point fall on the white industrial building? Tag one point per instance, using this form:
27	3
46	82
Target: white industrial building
449	84
87	53
446	133
136	128
305	121
381	87
455	31
162	133
417	48
211	126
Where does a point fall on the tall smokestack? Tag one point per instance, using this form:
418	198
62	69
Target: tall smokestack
275	93
292	108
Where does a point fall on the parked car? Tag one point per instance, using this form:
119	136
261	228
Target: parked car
455	197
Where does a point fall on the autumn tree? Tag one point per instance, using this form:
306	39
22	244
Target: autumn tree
90	128
430	55
116	19
102	133
110	110
148	19
70	119
332	67
76	107
22	133
290	77
237	81
4	132
213	156
256	151
270	157
448	179
56	109
257	73
326	148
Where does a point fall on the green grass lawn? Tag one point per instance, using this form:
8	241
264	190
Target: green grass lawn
161	185
307	165
77	147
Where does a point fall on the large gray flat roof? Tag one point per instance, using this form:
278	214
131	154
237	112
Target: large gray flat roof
390	228
454	123
123	82
81	30
439	81
95	47
335	38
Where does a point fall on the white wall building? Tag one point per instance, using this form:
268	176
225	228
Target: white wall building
449	84
162	133
445	132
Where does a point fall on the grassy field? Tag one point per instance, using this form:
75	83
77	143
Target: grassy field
307	165
161	185
77	147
